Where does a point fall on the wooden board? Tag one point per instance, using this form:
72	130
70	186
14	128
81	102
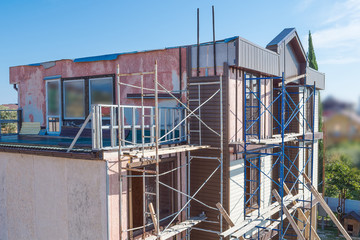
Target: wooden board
162	151
246	225
30	128
326	207
179	228
289	216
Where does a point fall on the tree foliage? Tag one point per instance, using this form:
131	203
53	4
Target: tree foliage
342	178
7	128
311	54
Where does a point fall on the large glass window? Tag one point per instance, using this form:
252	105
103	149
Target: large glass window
53	98
101	91
74	99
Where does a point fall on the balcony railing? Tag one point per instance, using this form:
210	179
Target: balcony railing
137	126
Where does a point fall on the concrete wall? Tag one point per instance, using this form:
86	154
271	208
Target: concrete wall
51	198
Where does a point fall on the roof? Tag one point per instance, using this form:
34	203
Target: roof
114	56
281	36
353	215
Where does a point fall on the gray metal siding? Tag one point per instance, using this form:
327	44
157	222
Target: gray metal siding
254	57
225	52
315	76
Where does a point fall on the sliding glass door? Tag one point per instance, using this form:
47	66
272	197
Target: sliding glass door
53	108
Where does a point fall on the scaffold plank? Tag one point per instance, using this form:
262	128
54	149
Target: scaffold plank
326	207
179	228
289	217
246	225
162	151
225	214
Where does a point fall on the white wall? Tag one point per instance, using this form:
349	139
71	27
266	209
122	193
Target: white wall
237	188
51	198
236	210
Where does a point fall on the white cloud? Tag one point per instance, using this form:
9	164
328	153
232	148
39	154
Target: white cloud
304	4
340	33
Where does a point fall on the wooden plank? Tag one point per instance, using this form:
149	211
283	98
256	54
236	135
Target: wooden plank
225	214
178	228
162	151
326	207
243	227
153	217
288	215
30	128
303	217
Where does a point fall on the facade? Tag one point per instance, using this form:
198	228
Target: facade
203	134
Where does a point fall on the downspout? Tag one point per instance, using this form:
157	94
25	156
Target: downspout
107	200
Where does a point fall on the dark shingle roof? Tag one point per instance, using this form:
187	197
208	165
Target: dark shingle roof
281	36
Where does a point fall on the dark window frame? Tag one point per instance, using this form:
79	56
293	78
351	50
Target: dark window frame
87	94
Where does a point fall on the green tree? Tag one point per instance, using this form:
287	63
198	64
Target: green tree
7	128
342	178
311	54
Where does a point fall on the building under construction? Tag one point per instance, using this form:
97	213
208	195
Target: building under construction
207	141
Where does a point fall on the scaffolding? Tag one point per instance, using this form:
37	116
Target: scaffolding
271	221
163	131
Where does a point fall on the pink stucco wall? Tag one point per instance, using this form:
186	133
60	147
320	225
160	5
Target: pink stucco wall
32	93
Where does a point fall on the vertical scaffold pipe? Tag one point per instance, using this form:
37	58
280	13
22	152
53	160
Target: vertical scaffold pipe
312	152
157	150
283	89
119	152
221	149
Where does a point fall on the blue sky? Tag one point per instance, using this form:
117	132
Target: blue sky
44	30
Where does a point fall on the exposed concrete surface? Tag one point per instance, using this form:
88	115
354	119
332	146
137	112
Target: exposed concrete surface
52	198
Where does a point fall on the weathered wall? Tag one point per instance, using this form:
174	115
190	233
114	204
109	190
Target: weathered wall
51	198
113	198
32	93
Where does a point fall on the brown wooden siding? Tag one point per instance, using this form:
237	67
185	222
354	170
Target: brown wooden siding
202	168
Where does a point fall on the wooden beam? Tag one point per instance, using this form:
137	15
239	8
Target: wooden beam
289	217
178	228
294	78
246	225
326	207
153	217
162	151
303	217
225	214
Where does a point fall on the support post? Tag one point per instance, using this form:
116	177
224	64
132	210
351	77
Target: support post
154	218
326	207
288	215
157	150
225	214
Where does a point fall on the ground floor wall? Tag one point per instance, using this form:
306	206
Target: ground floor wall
130	223
44	197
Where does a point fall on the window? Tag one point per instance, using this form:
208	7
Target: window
74	99
53	106
350	228
101	91
252	106
252	183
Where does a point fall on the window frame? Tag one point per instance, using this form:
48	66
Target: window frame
63	96
254	203
97	79
58	80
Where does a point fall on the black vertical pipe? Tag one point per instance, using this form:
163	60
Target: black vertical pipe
180	72
214	42
198	44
